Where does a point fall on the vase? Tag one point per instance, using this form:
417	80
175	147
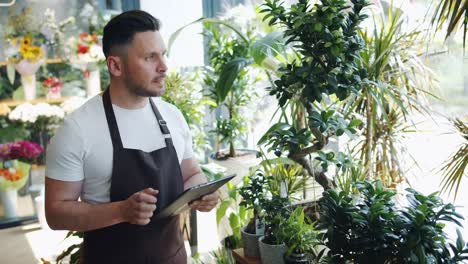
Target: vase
27	70
9	199
29	86
250	242
93	82
271	254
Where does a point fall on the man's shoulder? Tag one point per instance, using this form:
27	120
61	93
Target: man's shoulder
87	118
88	112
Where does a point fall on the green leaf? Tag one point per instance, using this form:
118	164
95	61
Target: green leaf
233	221
318	26
231	26
354	122
11	73
228	75
221	212
270	45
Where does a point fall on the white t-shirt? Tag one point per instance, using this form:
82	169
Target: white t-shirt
81	150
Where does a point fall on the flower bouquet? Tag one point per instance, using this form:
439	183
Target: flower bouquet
53	86
27	53
85	53
14	171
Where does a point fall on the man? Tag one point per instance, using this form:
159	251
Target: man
126	155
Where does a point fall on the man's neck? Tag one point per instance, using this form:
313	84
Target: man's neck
123	98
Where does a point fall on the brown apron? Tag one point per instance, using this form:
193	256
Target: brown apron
160	241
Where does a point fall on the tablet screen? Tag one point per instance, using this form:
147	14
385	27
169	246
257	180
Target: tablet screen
180	204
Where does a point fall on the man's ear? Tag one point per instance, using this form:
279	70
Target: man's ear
115	65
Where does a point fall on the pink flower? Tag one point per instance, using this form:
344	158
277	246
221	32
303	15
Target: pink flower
20	150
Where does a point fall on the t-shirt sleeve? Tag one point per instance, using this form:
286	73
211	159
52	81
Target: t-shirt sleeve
188	150
65	152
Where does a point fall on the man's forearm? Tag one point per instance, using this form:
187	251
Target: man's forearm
195	179
82	216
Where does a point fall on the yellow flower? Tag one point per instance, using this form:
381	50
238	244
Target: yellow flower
24	49
32	53
29	55
26	41
37	51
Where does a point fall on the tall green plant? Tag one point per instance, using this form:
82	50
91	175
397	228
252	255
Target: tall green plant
399	83
233	51
228	52
325	70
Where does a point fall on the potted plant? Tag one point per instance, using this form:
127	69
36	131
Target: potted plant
367	227
231	95
253	196
300	237
323	73
271	246
237	59
363	229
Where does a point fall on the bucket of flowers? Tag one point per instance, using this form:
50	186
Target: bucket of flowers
15	158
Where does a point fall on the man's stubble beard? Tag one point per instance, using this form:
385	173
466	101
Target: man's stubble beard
141	90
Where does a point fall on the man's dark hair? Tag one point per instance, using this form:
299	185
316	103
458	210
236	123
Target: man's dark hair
120	30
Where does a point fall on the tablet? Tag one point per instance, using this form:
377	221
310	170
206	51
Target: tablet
180	204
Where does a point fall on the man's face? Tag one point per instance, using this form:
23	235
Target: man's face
144	68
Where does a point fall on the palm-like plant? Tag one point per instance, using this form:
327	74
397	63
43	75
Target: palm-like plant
454	168
399	83
455	12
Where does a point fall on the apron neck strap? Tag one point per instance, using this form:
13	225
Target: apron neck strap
162	124
114	129
111	120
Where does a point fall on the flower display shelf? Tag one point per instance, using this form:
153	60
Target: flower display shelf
48	61
14	103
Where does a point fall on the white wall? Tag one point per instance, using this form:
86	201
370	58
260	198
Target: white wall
188	48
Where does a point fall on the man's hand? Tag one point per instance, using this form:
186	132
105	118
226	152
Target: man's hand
206	203
139	208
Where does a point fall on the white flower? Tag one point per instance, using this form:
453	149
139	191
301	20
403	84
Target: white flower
29	113
24	113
